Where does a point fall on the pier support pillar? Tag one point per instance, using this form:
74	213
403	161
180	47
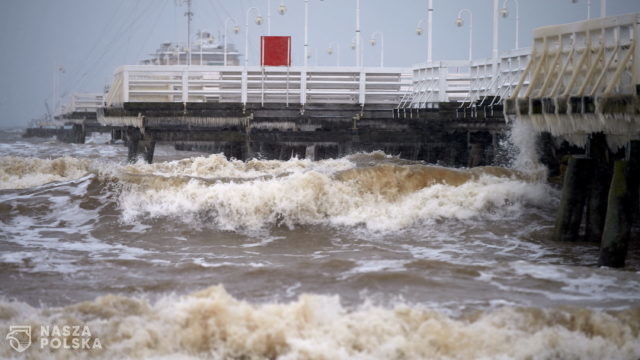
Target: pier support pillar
617	228
600	180
147	148
574	196
116	134
476	155
79	134
133	138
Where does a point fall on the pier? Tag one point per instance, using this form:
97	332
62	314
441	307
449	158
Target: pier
578	86
583	86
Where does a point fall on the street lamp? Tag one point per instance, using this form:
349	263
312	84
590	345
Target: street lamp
505	12
603	8
236	29
420	30
258	21
460	23
330	51
373	43
306	32
282	9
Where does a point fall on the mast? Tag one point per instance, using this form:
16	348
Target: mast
189	15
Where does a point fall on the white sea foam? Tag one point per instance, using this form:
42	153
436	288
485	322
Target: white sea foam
211	324
382	198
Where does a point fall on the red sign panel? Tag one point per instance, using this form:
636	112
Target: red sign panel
275	51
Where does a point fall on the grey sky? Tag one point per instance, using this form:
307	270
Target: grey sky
90	38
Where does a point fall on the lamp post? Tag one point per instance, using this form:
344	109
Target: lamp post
603	8
236	29
420	30
330	51
282	9
373	43
460	23
246	31
357	43
505	12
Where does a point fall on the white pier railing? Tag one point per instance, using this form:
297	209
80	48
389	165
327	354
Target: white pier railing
583	77
83	102
294	85
470	83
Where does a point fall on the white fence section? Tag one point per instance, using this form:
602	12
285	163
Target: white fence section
82	102
470	83
294	85
583	78
435	82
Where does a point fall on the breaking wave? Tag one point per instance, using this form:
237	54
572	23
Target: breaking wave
234	195
213	324
374	191
21	173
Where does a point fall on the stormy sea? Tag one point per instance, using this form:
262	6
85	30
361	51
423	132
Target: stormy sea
368	256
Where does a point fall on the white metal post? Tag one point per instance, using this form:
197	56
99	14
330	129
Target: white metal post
226	24
189	15
269	17
185	86
358	58
306	33
496	15
505	12
430	31
246	34
373	43
459	23
603	8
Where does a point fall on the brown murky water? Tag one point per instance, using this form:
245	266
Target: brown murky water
367	256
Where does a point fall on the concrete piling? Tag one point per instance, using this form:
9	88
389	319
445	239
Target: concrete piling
79	134
600	180
617	228
147	148
574	196
133	138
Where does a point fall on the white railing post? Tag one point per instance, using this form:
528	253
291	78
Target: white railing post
125	86
185	86
303	86
243	86
362	87
442	83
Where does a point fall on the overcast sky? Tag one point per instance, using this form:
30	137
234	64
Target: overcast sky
90	38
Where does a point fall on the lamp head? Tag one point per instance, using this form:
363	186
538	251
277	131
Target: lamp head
258	20
504	12
419	31
353	45
330	51
459	21
373	42
282	9
236	29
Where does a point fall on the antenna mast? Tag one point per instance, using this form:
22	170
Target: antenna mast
189	15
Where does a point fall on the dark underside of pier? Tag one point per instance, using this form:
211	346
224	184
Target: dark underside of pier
318	131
